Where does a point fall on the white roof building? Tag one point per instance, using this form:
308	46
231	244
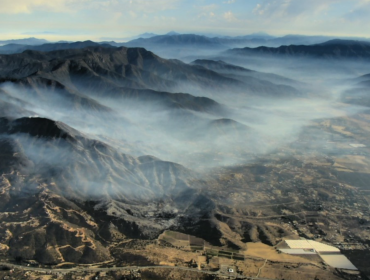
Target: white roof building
310	244
330	254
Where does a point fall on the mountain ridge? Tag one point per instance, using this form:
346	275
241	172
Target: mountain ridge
333	49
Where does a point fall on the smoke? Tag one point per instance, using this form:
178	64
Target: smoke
244	126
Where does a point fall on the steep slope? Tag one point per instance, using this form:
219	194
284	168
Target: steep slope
92	158
47	91
55	174
12	106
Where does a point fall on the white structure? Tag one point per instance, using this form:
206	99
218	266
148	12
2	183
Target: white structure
329	254
310	244
338	261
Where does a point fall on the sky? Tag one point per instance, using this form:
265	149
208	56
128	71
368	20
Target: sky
119	19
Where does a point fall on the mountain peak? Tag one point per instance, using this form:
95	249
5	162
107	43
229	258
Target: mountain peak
171	33
39	127
344	42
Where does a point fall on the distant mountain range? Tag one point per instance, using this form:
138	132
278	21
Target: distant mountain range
242	73
253	40
176	40
25	41
199	41
172	43
126	39
335	49
18	48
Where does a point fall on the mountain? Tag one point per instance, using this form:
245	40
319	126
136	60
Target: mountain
256	39
146	35
49	90
178	45
95	86
74	170
61	138
171	33
292	40
196	42
104	144
359	93
182	42
158	100
174	45
15	48
298	40
117	41
263	39
258	35
97	83
26	41
175	40
220	66
106	67
251	77
226	126
334	49
12	48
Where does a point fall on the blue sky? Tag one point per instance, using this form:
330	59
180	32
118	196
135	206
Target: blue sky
115	19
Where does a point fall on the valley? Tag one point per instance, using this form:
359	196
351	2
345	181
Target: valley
116	161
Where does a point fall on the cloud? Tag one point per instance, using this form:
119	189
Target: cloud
359	13
149	6
89	19
207	11
133	14
229	16
40	33
292	8
27	6
207	8
325	17
142	6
